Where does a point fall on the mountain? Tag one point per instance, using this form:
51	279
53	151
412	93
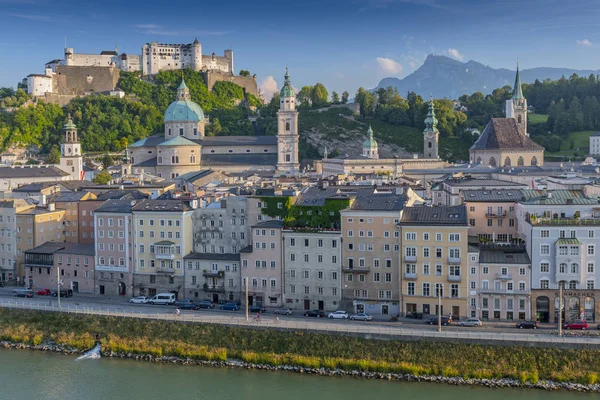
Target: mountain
445	77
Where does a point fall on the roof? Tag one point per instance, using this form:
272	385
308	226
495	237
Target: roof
273	223
63	197
34	187
78	248
39	211
482	183
15	203
184	110
287	90
380	202
269	159
503	133
517	91
46	248
161	206
556	197
238	140
595	134
31	172
178	141
115	206
568	241
109	53
435	216
119	194
149	141
503	256
213	256
151	162
495	195
164	243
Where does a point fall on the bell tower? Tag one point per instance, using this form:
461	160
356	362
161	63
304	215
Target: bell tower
516	106
431	134
71	160
287	130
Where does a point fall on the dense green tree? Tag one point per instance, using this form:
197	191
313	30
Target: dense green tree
319	95
244	72
367	102
345	97
54	156
214	129
107	161
335	98
102	178
304	96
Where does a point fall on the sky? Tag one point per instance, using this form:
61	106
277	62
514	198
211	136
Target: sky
343	44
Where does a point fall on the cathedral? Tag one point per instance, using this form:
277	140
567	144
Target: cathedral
505	142
183	147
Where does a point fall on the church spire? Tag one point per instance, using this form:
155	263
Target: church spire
517	91
431	120
183	92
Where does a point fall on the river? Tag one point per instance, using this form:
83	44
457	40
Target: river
26	374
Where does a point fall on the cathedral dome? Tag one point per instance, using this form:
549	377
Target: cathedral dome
370	143
184	109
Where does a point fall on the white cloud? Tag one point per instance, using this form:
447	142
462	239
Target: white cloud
388	65
455	54
268	87
147	26
585	43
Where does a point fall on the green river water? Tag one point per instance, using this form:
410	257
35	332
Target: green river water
32	375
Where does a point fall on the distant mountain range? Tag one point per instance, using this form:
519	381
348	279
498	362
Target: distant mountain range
445	77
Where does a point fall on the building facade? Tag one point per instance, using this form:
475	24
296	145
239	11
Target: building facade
213	276
491	214
8	237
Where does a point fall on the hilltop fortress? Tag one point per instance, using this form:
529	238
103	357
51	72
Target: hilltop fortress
81	74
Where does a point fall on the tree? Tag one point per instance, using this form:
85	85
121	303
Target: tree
215	128
335	97
102	178
319	95
107	161
54	156
304	96
367	101
244	72
345	96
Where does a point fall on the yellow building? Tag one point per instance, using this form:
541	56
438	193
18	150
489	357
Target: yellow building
36	226
434	260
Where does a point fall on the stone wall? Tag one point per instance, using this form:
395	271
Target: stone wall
246	82
77	81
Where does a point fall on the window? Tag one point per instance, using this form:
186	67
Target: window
426	269
438	237
544	284
292	242
306	258
376	277
454	270
590	267
522	286
589	284
454	237
411	236
411	289
426	252
545	249
426	289
438	269
590	249
544	267
545	233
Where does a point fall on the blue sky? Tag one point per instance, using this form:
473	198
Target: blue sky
341	43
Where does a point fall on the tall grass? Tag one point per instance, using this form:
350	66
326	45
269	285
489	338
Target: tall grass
275	347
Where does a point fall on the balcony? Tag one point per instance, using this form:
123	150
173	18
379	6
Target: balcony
501	291
165	271
164	250
410	258
213	274
213	288
410	276
540	221
453	260
491	214
454	278
356	270
504	277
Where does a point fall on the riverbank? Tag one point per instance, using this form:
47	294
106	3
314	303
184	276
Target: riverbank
304	352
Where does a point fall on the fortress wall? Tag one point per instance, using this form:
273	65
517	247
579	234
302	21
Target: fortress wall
246	82
74	80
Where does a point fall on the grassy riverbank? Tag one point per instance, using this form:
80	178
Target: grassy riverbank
273	347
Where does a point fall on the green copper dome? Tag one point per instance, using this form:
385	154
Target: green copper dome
184	109
69	126
431	121
370	143
287	90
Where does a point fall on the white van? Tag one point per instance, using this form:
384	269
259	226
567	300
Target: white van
163	298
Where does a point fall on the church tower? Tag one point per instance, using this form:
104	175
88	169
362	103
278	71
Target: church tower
370	148
516	106
71	160
287	130
431	134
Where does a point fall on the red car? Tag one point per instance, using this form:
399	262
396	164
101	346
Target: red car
582	325
44	292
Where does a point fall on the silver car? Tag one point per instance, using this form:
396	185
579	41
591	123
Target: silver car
139	300
471	322
361	317
283	311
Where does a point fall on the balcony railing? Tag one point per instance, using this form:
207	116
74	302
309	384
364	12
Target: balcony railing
357	270
564	221
453	260
504	276
164	256
454	278
410	258
501	291
213	274
492	214
410	276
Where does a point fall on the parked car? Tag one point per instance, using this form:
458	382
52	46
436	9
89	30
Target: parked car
528	325
582	325
63	293
23	292
257	309
186	305
230	306
283	311
44	292
361	317
314	313
471	322
338	315
434	320
206	304
163	298
139	300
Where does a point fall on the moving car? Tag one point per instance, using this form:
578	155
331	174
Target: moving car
230	306
186	305
283	311
361	317
23	292
63	293
471	322
314	313
257	309
163	298
582	325
434	320
206	304
338	315
139	300
44	292
528	325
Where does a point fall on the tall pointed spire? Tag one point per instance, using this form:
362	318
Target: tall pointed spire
287	90
431	120
517	91
183	92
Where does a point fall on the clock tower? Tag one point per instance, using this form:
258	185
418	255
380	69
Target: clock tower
287	130
431	134
71	160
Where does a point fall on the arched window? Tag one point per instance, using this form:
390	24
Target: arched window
111	261
507	162
534	161
101	260
520	161
492	161
159	159
478	160
574	268
287	126
121	261
192	159
169	131
562	268
174	159
133	162
429	144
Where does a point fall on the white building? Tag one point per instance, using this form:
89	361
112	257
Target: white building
595	144
71	160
